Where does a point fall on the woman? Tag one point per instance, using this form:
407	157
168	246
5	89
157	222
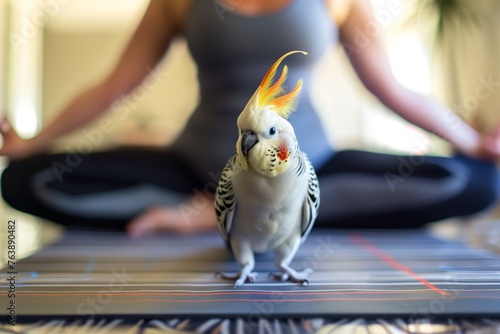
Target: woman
233	43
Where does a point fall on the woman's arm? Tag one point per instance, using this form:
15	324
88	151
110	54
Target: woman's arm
161	22
369	59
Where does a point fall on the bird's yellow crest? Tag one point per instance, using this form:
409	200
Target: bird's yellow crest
284	105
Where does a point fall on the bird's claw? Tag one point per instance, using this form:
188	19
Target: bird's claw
238	278
280	276
293	276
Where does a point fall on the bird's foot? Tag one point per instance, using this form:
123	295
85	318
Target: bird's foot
291	275
239	278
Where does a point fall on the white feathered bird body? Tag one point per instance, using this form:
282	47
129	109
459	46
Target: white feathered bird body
269	210
268	194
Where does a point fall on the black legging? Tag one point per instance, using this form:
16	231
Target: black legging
358	189
396	191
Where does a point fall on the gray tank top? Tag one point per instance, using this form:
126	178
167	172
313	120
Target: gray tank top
233	52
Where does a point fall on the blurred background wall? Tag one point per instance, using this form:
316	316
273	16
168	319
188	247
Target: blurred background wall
3	48
465	52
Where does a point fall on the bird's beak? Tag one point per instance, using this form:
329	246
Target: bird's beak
248	140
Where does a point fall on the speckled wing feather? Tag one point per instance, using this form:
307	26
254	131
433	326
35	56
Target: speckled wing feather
225	204
310	208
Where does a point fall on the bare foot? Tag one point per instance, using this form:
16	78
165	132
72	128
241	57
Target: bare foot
195	215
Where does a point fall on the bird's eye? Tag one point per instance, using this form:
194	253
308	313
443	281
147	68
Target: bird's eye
272	131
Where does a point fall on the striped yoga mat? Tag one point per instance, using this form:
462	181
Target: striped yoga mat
369	274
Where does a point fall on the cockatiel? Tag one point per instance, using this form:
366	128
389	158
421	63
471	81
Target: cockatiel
267	198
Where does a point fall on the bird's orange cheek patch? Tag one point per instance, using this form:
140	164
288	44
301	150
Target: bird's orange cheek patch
283	152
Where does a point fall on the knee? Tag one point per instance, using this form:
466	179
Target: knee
12	187
485	188
7	184
494	186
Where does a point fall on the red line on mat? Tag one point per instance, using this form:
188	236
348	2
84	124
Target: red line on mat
365	243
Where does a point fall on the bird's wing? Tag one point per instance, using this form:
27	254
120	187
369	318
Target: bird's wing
310	207
225	203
